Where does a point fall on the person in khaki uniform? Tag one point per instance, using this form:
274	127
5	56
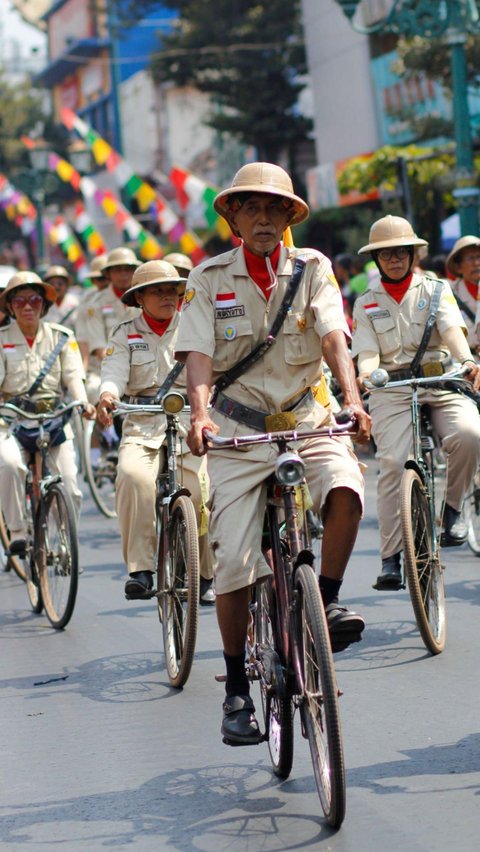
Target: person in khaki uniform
64	309
230	303
137	363
91	363
389	321
24	347
464	262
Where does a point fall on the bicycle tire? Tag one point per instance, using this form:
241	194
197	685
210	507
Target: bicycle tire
422	566
319	697
277	708
10	561
178	587
56	555
101	477
471	514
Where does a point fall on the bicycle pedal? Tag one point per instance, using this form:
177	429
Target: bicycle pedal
241	745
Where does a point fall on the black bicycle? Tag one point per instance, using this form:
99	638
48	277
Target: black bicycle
421	536
177	560
288	646
49	564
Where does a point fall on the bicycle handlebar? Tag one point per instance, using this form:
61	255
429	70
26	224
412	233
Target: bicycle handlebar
138	408
381	382
40	416
341	428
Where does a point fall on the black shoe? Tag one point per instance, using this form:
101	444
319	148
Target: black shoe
139	585
207	594
239	726
18	548
391	574
455	530
344	626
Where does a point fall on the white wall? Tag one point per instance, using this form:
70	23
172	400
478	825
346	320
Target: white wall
140	136
339	68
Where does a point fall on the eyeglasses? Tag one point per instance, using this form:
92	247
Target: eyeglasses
400	252
21	301
470	258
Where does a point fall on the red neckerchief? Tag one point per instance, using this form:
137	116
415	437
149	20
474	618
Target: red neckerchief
30	341
472	289
58	302
257	269
398	290
157	326
118	293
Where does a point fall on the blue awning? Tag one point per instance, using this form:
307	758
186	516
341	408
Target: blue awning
79	53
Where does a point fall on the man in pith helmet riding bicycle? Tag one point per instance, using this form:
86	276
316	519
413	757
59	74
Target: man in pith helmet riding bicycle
230	304
389	326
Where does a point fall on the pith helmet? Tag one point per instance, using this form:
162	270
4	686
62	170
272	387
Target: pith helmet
453	257
97	265
181	262
153	272
265	178
391	231
56	272
121	257
25	279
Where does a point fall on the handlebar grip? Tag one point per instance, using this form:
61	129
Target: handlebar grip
346	415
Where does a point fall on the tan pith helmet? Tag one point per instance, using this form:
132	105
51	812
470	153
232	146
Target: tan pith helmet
97	265
25	279
264	178
390	231
181	262
153	272
463	243
56	272
122	256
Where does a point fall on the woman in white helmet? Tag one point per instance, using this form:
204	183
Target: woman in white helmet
389	323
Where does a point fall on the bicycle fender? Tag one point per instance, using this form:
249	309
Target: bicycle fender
305	557
411	464
179	493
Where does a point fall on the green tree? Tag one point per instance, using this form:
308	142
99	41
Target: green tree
250	58
20	110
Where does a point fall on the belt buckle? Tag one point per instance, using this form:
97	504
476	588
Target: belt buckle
432	368
281	421
43	406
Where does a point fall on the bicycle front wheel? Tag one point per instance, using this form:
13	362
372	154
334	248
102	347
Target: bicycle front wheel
8	562
277	703
178	586
422	565
471	513
56	555
319	697
100	466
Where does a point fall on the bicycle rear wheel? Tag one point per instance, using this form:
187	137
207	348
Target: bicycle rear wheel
56	555
422	565
319	697
471	513
277	704
178	585
100	469
8	562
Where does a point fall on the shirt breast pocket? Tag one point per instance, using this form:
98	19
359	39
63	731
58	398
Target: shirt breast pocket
387	334
143	369
302	343
233	340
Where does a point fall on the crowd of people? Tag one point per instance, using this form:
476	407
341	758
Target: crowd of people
125	336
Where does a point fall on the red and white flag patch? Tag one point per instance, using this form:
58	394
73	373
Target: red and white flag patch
225	300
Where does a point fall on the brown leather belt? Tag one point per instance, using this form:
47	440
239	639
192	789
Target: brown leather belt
39	406
262	421
431	368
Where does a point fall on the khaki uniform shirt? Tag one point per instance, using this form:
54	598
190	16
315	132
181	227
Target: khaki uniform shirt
104	313
461	290
225	314
66	313
136	363
395	330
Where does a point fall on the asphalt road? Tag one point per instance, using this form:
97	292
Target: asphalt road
97	752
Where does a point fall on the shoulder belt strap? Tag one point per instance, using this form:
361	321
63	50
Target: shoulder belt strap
167	384
260	349
48	364
434	304
464	307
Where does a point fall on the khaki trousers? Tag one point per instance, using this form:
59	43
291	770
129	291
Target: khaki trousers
13	468
456	421
135	503
238	497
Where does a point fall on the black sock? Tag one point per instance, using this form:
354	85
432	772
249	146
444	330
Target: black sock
237	681
329	589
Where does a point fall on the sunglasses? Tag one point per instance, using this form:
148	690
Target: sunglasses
400	253
21	301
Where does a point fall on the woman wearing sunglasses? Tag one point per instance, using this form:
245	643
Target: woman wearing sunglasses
389	325
25	346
